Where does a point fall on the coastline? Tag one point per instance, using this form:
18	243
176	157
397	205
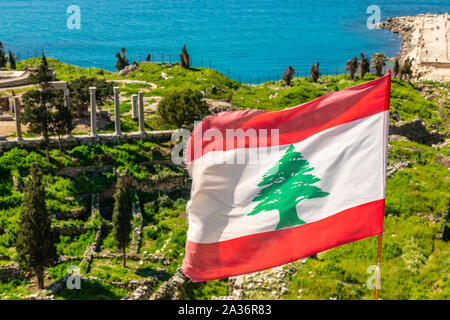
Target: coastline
426	41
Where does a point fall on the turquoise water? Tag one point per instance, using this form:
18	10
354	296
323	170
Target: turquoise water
248	40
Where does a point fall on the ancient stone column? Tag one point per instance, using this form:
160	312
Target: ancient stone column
67	104
93	112
134	105
17	114
117	132
141	113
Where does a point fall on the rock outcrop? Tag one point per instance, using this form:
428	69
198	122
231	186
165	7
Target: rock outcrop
416	131
127	70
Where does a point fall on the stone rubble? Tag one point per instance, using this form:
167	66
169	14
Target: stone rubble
10	271
127	70
174	288
272	283
91	250
393	168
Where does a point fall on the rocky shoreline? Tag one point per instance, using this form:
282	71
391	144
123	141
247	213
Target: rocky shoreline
425	40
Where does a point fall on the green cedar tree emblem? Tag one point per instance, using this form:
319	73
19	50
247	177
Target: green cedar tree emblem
285	185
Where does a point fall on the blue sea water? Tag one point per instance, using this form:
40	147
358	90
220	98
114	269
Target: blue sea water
249	40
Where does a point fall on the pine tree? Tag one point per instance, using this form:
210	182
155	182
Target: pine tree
38	113
62	122
184	58
12	60
2	56
396	70
42	75
285	185
35	241
364	65
40	105
122	216
352	66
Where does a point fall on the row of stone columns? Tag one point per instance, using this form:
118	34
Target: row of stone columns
137	102
137	111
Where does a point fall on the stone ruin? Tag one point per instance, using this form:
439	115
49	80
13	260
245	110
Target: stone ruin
4	105
95	116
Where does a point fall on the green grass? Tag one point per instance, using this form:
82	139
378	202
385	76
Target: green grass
92	290
410	254
75	246
419	190
206	290
14	290
66	72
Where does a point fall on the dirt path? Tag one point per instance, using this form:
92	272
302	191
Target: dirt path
9	127
130	81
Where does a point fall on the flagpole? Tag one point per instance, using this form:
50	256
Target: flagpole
377	280
380	236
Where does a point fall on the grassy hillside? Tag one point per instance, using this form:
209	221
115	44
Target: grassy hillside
415	260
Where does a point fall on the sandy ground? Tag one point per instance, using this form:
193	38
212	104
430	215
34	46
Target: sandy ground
9	127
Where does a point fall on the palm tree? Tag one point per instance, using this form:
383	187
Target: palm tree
364	65
352	66
315	72
379	61
287	76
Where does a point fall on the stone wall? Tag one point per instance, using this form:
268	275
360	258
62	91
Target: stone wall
157	136
173	289
18	78
10	271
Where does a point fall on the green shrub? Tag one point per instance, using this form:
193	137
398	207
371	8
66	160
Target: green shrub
181	109
80	93
164	201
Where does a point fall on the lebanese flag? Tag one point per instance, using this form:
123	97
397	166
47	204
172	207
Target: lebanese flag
272	187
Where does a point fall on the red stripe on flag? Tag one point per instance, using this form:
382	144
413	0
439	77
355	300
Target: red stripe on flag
294	124
210	261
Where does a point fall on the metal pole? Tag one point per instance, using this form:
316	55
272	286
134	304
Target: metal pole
377	280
